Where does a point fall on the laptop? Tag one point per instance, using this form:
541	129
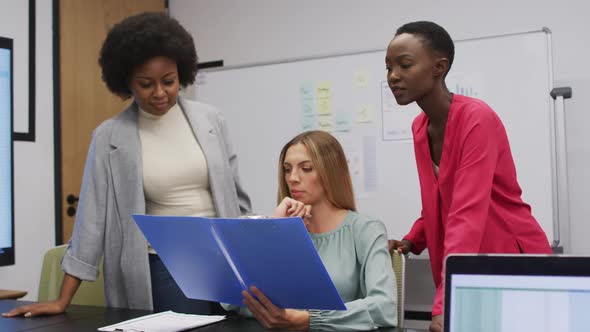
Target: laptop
516	293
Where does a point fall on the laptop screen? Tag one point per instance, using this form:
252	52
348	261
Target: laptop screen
517	293
6	154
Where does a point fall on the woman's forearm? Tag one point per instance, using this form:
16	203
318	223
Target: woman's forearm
69	287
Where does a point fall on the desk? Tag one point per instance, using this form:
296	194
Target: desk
85	318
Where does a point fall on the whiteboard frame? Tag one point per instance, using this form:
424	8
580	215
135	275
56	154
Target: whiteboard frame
556	185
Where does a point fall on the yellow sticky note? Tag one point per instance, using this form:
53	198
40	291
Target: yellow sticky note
364	114
324	106
324	90
325	123
361	78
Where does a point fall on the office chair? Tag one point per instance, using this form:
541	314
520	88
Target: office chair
89	293
398	262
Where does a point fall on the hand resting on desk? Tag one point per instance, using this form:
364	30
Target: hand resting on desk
37	309
69	287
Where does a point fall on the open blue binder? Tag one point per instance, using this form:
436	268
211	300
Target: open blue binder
216	258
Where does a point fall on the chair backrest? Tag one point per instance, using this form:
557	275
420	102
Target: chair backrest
89	293
399	268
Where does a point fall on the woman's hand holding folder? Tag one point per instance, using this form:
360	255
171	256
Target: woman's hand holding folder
272	317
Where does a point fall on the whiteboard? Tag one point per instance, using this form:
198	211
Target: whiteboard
266	105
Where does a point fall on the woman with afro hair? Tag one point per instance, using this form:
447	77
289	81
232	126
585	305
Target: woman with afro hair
163	155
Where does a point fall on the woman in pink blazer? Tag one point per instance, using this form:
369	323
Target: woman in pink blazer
471	199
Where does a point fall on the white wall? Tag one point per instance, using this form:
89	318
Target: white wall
242	32
14	24
33	162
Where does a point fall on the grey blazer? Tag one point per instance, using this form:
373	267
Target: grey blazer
112	190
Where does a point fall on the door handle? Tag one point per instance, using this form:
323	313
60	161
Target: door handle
71	199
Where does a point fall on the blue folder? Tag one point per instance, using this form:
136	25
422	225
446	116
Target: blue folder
216	258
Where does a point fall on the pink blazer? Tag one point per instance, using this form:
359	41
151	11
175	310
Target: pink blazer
475	205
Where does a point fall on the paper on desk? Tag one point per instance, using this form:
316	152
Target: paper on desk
167	321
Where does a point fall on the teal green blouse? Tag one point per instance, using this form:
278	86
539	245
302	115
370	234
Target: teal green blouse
356	257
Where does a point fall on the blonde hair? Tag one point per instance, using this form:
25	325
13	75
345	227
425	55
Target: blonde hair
329	161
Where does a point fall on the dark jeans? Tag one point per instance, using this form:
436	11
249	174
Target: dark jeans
166	294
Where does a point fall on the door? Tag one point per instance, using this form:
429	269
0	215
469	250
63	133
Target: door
85	100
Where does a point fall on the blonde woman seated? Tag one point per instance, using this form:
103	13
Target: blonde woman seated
314	182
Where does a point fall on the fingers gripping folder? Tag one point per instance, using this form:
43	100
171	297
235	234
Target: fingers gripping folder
216	259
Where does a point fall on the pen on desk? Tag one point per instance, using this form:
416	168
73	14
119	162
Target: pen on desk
128	330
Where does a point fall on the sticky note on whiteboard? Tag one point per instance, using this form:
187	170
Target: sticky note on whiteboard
324	90
364	114
343	122
361	78
325	123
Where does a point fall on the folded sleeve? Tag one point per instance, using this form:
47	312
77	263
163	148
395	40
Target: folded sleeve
86	247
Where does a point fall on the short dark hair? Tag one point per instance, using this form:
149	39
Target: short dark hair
139	38
435	36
